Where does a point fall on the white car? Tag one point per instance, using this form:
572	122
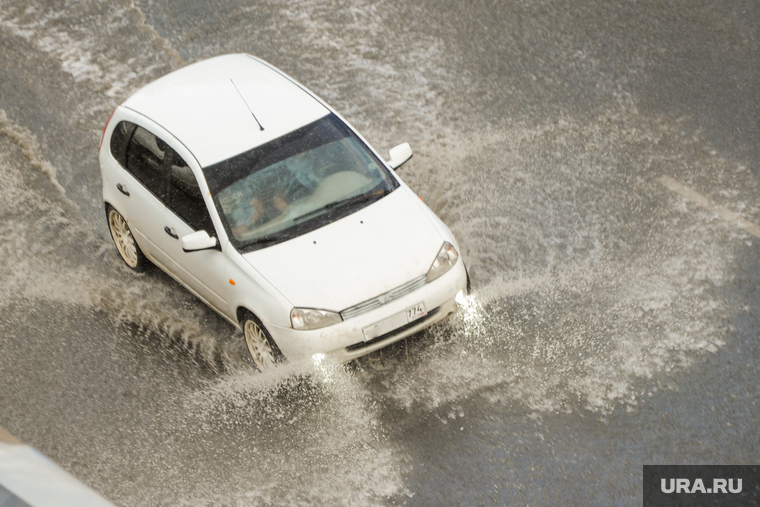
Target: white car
254	194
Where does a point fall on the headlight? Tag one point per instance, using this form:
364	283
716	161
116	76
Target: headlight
443	262
309	318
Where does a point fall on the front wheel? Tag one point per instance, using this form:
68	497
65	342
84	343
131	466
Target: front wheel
129	251
264	351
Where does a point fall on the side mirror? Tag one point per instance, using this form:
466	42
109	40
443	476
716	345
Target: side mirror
399	155
199	240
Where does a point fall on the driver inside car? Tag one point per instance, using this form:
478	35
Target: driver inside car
258	212
269	192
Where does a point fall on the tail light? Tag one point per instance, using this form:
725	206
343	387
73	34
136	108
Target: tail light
104	129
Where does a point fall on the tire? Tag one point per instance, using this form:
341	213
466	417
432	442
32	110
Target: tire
261	346
128	249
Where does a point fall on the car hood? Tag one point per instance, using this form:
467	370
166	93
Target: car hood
356	258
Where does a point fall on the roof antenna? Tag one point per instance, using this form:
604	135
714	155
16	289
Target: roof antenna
246	104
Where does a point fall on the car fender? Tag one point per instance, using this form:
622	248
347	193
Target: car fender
255	293
441	227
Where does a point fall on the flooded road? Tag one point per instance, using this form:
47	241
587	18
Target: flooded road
597	162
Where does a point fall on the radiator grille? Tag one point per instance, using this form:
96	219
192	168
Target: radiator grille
380	300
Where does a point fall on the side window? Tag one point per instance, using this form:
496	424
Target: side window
145	160
119	139
186	198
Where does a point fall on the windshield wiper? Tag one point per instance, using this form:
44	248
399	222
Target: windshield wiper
357	199
271	237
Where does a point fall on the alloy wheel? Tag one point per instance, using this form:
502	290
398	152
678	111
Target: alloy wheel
123	238
258	345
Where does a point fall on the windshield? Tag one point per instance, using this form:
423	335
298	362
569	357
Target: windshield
296	183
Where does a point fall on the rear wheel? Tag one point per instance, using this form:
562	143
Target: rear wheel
125	242
262	348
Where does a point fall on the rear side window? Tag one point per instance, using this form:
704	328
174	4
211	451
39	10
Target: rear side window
186	197
145	160
119	139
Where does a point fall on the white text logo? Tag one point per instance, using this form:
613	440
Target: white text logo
718	486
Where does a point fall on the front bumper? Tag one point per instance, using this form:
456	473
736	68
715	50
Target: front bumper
345	341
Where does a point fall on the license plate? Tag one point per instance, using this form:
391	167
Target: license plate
394	322
415	312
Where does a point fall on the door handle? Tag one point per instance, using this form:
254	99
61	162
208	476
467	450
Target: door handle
170	231
122	189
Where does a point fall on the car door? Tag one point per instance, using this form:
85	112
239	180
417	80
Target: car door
141	179
203	270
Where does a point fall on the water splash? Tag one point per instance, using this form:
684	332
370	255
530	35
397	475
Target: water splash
589	284
30	147
172	331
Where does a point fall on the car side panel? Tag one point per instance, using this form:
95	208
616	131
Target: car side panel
254	292
140	208
108	173
250	289
204	270
143	212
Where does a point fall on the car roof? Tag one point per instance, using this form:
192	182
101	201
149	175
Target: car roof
208	105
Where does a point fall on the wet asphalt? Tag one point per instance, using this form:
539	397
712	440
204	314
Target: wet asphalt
613	323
